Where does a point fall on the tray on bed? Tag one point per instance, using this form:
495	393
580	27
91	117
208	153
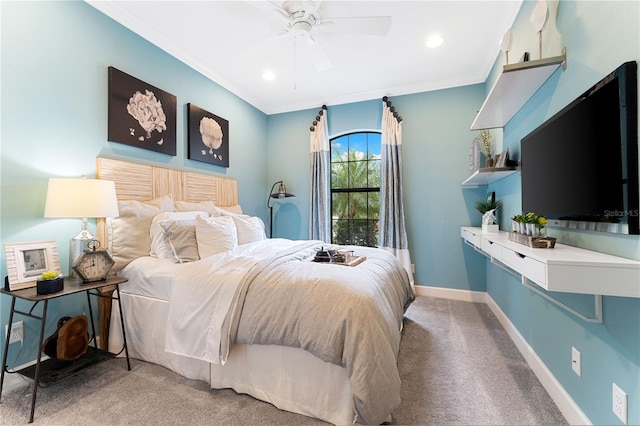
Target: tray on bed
353	261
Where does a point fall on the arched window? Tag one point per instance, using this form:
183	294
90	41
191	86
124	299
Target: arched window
355	188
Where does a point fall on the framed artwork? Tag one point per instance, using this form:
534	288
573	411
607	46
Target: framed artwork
496	160
491	197
27	261
140	114
208	137
502	160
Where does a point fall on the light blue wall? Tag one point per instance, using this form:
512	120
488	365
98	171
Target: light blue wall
54	123
436	141
599	36
54	98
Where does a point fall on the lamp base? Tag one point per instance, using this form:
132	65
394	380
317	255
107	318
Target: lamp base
77	247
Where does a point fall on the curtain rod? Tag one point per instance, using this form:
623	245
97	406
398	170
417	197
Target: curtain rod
397	116
315	122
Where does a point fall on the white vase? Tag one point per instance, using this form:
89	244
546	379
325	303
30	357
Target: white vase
532	230
490	229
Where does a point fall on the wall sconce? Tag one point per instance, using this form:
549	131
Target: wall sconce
281	194
80	198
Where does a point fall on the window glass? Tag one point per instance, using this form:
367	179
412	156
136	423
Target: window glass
355	188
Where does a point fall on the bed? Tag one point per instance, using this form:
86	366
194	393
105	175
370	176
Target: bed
259	316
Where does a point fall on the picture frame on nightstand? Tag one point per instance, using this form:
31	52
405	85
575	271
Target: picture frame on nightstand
26	261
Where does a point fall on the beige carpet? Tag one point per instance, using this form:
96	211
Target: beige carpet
457	365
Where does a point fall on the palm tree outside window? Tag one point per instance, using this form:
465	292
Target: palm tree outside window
355	188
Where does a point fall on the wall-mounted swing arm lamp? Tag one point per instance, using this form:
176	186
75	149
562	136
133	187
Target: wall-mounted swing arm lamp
280	194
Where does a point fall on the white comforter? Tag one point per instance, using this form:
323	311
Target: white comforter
268	293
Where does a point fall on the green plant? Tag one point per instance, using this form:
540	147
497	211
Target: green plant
355	214
542	222
49	275
530	218
484	205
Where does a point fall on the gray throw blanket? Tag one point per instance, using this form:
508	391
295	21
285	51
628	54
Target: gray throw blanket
349	316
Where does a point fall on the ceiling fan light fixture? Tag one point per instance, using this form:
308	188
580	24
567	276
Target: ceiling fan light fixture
434	40
302	28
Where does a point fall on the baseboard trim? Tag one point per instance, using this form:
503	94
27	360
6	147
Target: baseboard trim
451	293
567	406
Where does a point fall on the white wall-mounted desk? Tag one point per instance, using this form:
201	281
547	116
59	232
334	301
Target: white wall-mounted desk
563	268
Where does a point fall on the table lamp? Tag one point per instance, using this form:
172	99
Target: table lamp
80	198
282	193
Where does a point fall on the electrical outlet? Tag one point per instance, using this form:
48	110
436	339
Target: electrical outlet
619	403
17	332
575	361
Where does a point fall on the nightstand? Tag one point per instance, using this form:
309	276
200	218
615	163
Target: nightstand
51	371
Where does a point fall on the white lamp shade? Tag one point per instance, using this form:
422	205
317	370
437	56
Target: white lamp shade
83	198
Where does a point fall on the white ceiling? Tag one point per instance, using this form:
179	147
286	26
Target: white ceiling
218	39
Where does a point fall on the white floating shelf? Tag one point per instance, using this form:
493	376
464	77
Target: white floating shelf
485	176
515	86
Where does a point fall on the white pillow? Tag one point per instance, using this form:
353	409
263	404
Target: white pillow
215	235
235	209
129	232
189	206
181	238
160	247
250	229
209	207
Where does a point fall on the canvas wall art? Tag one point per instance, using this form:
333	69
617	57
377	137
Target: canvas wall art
208	137
140	114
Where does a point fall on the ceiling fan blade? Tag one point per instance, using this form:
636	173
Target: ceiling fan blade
367	25
318	55
269	6
264	44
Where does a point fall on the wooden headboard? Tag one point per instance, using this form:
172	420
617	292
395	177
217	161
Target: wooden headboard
135	181
142	182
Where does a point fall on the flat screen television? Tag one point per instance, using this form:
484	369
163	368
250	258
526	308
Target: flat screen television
580	168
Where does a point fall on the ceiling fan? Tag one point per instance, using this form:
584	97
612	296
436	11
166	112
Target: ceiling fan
303	20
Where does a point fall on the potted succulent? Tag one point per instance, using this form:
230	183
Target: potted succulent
50	282
531	220
516	222
489	224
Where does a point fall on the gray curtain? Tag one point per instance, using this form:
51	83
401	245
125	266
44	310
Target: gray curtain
393	234
320	208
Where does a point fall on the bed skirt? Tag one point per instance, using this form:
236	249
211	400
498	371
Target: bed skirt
291	379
